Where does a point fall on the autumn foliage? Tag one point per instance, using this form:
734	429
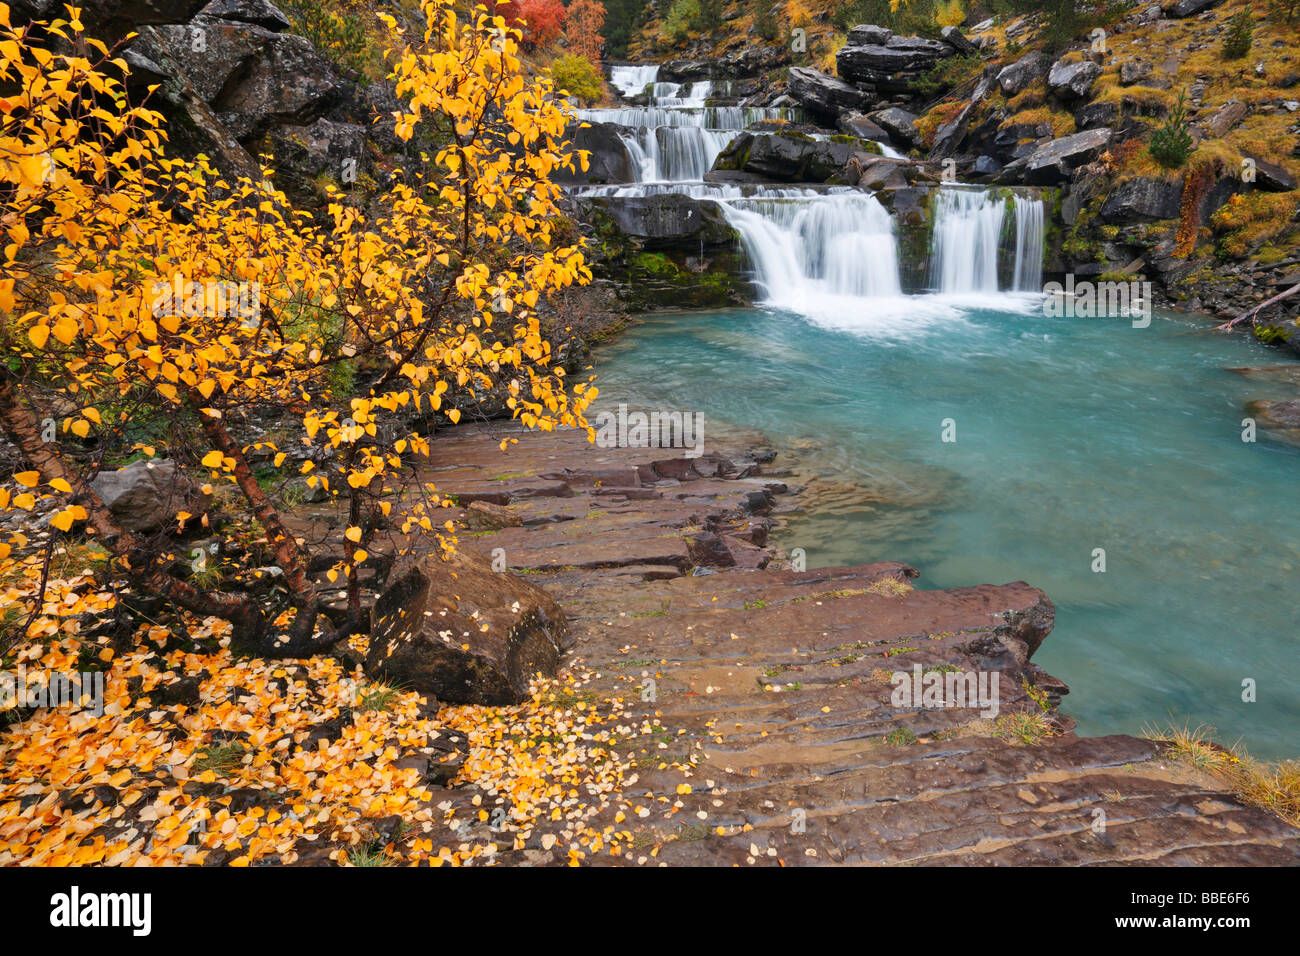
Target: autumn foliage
582	30
541	21
432	293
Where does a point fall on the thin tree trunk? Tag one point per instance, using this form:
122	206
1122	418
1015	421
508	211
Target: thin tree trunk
24	431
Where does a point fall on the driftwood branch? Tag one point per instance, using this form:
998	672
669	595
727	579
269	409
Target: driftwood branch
1251	313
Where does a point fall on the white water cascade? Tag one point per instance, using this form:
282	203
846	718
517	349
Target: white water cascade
967	234
676	136
1028	275
824	252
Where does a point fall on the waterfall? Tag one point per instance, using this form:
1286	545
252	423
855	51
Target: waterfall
677	136
806	248
826	252
967	234
1028	276
632	80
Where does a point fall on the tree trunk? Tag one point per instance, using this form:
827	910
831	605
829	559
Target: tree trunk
24	431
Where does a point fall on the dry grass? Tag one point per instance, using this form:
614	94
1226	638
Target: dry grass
1270	786
1062	123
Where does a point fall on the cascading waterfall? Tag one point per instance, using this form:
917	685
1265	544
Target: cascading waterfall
632	80
677	136
967	234
806	249
817	251
1028	276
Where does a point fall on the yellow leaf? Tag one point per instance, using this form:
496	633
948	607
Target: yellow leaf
212	459
28	479
353	534
58	484
62	521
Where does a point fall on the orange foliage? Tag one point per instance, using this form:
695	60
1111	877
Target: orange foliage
582	29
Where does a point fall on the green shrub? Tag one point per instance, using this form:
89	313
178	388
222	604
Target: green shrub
710	15
338	36
575	75
765	24
1241	29
1171	144
681	17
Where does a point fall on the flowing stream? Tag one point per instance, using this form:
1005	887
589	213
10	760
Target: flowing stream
1072	437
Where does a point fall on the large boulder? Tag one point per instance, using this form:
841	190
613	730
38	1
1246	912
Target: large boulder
822	95
1271	177
794	157
665	221
463	632
1073	81
898	123
108	20
258	12
1014	77
323	148
1226	118
893	66
859	125
609	160
1143	200
1189	8
253	78
146	496
958	41
1055	162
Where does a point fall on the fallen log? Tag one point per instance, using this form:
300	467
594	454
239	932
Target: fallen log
1251	313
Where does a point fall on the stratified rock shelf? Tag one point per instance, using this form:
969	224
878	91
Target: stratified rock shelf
778	681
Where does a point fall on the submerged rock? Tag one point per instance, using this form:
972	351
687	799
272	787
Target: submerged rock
1282	419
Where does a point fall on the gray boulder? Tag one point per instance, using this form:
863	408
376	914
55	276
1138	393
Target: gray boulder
859	125
258	12
894	66
794	157
1096	115
1133	71
145	496
1014	77
252	78
1143	200
897	122
666	221
1073	81
1271	177
868	34
1189	8
325	147
823	95
609	160
958	41
1054	162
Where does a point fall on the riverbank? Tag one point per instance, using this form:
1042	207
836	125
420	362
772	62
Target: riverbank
776	687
